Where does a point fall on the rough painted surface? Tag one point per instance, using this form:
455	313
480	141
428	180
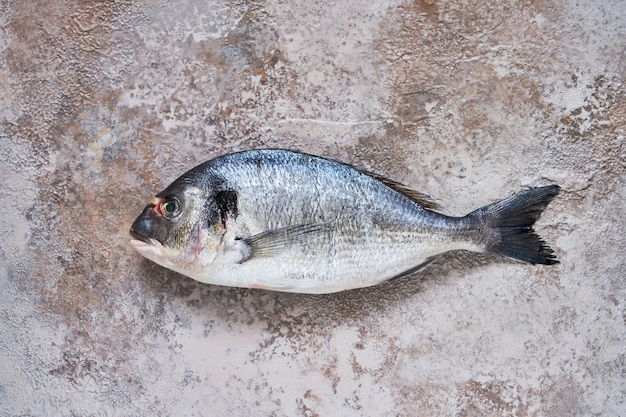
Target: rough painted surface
104	103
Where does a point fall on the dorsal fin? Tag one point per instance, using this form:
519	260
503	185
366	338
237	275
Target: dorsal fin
420	198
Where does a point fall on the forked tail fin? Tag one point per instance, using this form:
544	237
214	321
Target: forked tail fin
507	226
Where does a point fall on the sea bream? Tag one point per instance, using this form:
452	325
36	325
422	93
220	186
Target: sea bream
288	221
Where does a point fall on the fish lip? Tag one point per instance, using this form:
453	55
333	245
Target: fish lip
141	243
139	236
141	240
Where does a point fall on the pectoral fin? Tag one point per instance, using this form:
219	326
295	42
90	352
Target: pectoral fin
273	242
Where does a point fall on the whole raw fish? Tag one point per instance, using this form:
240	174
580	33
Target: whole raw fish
288	221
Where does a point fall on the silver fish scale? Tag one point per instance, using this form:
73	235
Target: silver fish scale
282	189
370	226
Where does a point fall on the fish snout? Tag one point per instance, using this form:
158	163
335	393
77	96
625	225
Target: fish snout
143	227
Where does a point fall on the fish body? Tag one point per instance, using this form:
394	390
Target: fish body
288	221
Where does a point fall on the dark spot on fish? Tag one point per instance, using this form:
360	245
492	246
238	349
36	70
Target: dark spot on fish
227	204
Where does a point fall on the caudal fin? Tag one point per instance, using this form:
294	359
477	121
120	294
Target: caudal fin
508	226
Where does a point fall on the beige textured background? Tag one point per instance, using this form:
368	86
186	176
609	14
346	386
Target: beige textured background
104	103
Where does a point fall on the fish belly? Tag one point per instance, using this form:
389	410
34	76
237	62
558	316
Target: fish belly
334	267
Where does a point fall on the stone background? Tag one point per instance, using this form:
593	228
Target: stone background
102	104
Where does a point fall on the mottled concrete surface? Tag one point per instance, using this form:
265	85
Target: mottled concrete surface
104	103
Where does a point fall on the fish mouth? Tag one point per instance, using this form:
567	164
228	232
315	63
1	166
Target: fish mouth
139	244
139	231
141	240
143	228
138	236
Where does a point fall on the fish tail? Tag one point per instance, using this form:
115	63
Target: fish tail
506	226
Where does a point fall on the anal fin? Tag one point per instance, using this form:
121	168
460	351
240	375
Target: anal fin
417	268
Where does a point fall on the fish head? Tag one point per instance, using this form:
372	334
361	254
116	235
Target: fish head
178	229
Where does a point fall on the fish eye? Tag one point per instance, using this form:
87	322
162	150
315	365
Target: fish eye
170	207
